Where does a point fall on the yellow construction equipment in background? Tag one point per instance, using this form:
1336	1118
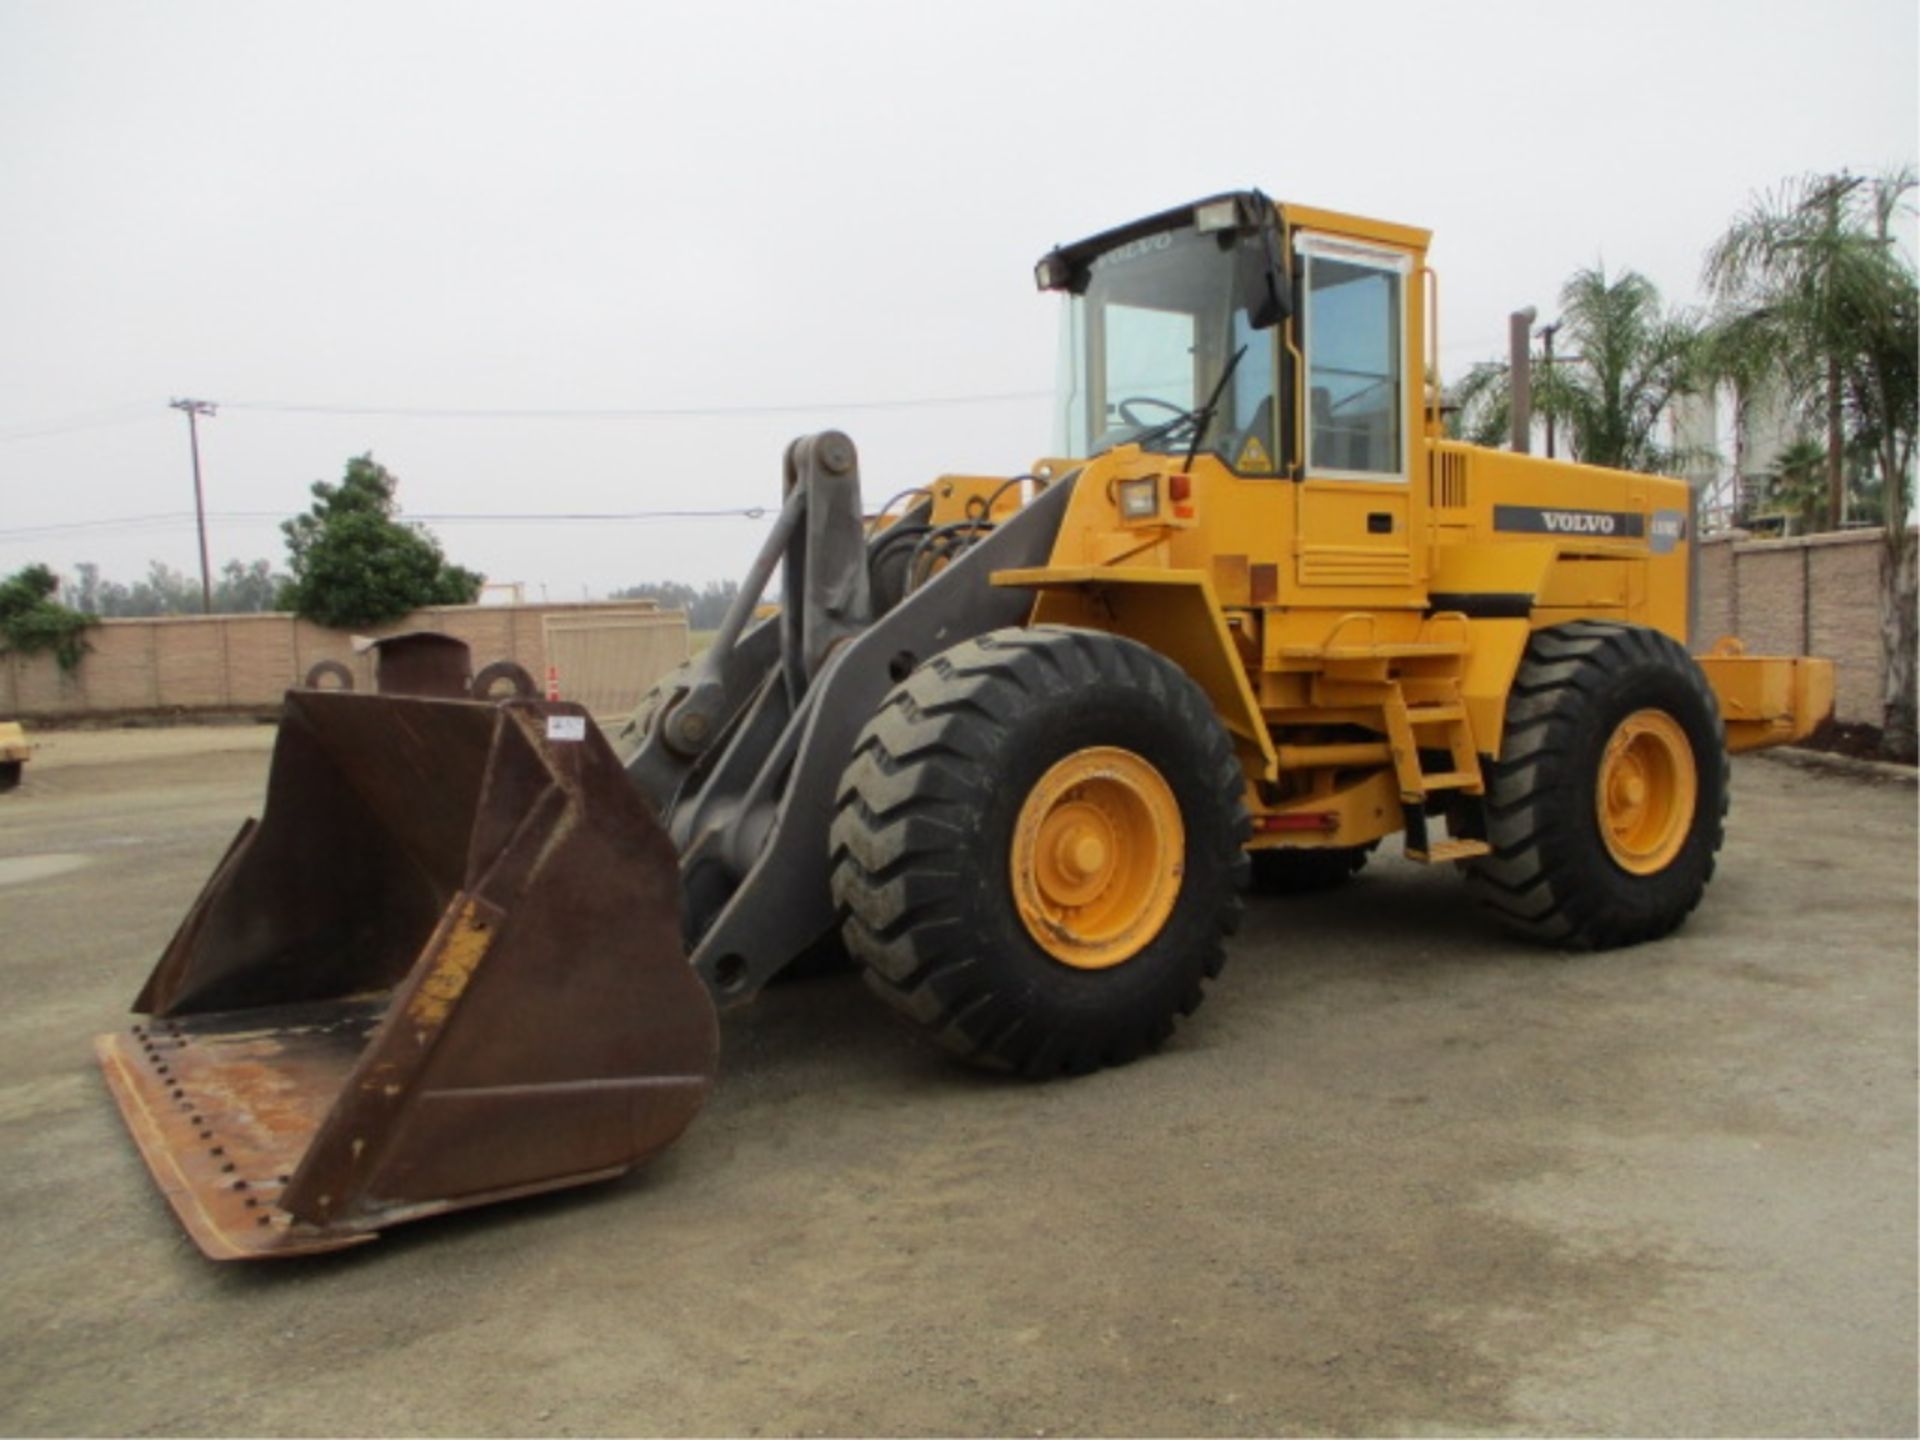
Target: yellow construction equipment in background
14	753
1020	743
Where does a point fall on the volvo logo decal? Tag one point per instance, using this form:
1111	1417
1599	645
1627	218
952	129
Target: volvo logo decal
1542	520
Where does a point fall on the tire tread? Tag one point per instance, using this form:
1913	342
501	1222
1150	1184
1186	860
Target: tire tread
901	835
1530	882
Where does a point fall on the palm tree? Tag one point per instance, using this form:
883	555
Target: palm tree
1796	485
1636	358
1809	292
1479	403
1734	356
1629	358
1812	294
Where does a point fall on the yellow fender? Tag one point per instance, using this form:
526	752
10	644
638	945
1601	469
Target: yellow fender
1174	612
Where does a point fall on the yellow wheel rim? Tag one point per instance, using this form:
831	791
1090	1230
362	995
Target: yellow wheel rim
1098	854
1646	792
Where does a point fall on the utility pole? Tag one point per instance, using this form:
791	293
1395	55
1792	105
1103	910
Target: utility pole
193	410
1520	379
1546	335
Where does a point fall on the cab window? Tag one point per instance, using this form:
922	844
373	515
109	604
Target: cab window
1149	341
1149	360
1355	360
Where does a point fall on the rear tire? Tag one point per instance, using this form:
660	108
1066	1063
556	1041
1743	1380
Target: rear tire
1092	753
1608	802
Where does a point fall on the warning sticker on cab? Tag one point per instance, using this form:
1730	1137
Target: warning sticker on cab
566	727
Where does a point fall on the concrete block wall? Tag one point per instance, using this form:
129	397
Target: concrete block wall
1844	624
1813	595
1817	595
244	662
1714	616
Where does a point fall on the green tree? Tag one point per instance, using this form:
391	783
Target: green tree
247	589
705	607
667	594
32	620
86	593
1624	357
241	588
716	598
354	563
164	591
1823	302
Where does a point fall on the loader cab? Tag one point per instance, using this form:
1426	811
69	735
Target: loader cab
1308	326
1172	335
1361	523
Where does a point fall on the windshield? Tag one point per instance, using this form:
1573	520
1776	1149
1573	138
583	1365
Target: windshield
1146	344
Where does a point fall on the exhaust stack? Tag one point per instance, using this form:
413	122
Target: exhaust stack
1520	377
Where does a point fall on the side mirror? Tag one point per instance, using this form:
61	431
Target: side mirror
1265	293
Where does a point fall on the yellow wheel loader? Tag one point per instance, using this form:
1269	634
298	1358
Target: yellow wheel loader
1019	743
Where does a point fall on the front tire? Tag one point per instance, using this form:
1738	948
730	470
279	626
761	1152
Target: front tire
1608	803
646	713
1038	849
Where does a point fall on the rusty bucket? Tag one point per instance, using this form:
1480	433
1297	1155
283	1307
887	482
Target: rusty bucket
444	968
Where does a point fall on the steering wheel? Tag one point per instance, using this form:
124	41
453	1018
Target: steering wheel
1125	409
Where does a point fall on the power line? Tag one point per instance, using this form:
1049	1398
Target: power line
661	412
130	414
162	521
85	420
179	519
749	512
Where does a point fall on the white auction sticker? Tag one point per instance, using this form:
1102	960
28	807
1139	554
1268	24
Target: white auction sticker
566	727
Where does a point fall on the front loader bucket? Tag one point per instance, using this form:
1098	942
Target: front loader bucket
444	968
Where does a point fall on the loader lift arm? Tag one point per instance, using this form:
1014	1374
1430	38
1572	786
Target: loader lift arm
749	807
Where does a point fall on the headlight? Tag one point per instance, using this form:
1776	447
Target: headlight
1139	499
1216	215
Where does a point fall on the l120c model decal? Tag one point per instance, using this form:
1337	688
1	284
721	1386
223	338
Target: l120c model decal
1669	529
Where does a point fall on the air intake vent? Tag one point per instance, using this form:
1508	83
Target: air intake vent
1447	480
1354	565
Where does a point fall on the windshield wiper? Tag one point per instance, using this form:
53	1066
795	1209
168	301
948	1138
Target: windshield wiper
1200	418
1203	417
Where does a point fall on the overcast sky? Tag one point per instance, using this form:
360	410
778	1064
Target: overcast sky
804	207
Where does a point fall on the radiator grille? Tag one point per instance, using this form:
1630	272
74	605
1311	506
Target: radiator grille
1447	480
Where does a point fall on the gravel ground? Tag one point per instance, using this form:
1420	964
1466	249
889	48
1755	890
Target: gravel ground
1399	1175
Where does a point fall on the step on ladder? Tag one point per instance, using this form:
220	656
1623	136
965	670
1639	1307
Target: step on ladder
1413	727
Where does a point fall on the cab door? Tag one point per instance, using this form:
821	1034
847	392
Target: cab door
1354	542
